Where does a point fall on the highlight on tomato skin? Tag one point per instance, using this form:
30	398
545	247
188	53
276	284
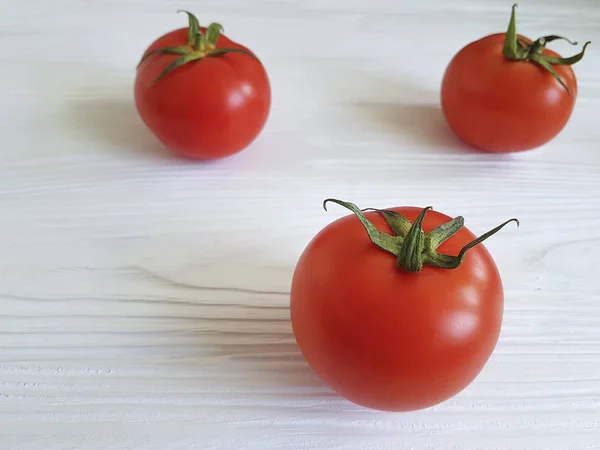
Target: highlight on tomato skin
507	93
397	309
201	94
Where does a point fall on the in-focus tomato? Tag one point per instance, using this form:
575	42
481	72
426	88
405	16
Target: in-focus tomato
201	94
506	93
385	317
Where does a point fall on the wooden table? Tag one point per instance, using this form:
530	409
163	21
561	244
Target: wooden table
144	300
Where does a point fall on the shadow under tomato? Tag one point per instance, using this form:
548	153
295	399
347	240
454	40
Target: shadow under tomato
269	357
397	105
116	123
419	123
243	332
265	350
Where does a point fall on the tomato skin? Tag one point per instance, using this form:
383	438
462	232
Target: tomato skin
504	106
385	338
206	109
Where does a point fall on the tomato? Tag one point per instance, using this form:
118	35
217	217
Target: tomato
390	332
201	94
507	93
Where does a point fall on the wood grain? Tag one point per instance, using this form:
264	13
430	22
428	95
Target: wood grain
144	299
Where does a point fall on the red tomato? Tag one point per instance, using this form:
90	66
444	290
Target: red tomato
384	337
500	98
207	108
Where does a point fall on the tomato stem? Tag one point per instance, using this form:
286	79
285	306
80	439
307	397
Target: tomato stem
511	49
199	46
412	247
193	27
517	49
410	255
199	42
399	224
213	32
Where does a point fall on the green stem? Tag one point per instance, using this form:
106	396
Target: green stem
537	47
180	50
445	231
213	32
222	51
554	37
199	46
570	60
379	238
410	256
193	26
516	49
511	49
414	248
199	42
182	60
399	224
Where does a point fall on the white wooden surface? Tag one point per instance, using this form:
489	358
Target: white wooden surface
144	300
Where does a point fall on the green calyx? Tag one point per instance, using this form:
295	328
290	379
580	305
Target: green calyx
412	247
516	49
199	46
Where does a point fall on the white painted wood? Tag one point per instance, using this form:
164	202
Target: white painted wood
144	300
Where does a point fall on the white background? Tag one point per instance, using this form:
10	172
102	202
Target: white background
144	299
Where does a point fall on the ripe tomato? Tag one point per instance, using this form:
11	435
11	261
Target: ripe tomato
505	93
201	94
396	335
